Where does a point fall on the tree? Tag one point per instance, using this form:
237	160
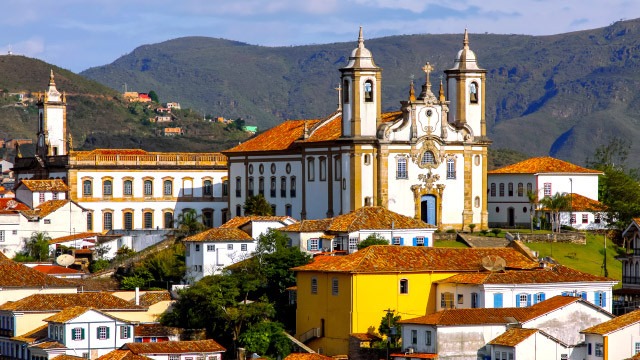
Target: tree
37	246
555	204
266	338
388	322
532	196
257	205
189	223
154	97
373	239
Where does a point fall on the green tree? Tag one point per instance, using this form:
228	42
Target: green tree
154	97
266	338
37	246
556	204
189	223
257	205
388	322
373	239
532	196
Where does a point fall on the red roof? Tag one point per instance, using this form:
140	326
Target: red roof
55	269
545	164
10	205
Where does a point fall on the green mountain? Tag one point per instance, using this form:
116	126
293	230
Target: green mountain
97	115
558	95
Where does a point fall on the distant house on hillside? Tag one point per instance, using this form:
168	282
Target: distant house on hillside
173	105
250	129
173	131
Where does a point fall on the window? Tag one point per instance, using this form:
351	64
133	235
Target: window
414	337
396	240
596	218
547	189
283	187
539	297
292	187
148	187
323	169
272	190
312	245
174	357
334	286
229	246
261	186
522	300
89	221
288	210
510	189
238	187
368	91
314	285
167	218
585	218
128	220
451	169
476	201
337	172
529	187
497	300
367	159
225	188
460	299
474	301
87	188
520	189
197	247
207	217
493	189
353	245
243	247
107	221
211	248
41	197
238	210
345	92
107	188
501	189
588	348
147	219
77	334
103	332
427	158
207	188
127	187
311	164
600	299
473	92
573	218
636	348
427	336
599	348
167	188
404	286
446	300
401	168
124	332
273	209
420	241
250	189
55	196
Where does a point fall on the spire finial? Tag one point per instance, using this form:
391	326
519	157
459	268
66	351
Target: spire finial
441	94
360	39
51	80
465	42
412	92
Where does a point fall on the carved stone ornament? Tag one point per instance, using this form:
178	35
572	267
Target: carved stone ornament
418	155
429	120
428	179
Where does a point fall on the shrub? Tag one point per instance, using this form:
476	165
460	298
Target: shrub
495	232
471	227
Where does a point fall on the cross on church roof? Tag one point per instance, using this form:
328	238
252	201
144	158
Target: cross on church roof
427	68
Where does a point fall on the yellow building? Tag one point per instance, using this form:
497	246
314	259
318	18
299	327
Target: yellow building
343	296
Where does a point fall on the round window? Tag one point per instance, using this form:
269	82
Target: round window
497	209
273	168
476	160
524	209
251	169
261	169
288	168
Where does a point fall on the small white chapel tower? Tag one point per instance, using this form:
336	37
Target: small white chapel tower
52	122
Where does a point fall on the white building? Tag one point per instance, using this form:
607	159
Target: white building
618	338
177	350
427	160
545	176
534	344
343	233
210	251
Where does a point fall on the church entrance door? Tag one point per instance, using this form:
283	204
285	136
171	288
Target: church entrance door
428	209
511	217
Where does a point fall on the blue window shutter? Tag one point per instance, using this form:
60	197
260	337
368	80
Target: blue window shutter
542	297
319	244
517	300
401	241
596	299
528	299
415	241
308	244
497	300
107	332
82	333
564	293
584	295
604	299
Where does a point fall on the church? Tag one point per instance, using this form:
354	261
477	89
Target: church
124	189
427	160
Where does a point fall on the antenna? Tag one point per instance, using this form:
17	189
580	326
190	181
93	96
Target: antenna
493	263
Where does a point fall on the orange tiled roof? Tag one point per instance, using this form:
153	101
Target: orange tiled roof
73	312
58	302
452	317
415	355
69	357
614	324
46	208
583	203
112	152
220	235
38	333
545	164
121	355
13	274
513	337
78	236
153	297
157	330
11	205
45	185
551	274
326	131
175	347
55	269
49	345
307	356
388	258
318	225
239	221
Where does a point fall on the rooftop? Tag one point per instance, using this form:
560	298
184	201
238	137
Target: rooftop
121	355
550	274
46	208
59	302
55	270
175	347
56	185
78	236
13	274
239	221
307	356
543	165
153	297
220	235
614	324
513	337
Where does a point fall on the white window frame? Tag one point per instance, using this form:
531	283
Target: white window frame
395	240
2	236
211	248
313	245
420	241
124	332
76	334
102	333
353	244
522	300
229	246
585	218
451	169
599	350
243	247
401	168
547	189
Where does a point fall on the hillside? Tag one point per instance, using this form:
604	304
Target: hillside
559	95
97	115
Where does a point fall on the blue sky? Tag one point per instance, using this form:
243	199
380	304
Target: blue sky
78	34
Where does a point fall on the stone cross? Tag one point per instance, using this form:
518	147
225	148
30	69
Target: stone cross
427	68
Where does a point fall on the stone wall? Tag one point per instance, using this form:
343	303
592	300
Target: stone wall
443	236
563	237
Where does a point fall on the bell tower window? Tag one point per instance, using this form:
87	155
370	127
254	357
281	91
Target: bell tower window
473	92
345	91
368	91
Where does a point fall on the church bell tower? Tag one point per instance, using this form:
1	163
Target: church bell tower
52	122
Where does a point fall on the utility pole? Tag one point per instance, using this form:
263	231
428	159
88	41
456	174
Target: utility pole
604	264
389	316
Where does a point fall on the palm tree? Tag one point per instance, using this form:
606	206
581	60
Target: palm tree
37	246
533	202
189	223
556	204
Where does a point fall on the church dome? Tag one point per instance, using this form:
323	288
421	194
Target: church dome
466	58
361	57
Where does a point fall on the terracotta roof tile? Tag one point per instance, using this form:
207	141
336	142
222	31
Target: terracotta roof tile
69	357
551	274
614	324
307	356
46	208
388	258
220	235
46	185
155	330
318	225
67	314
326	131
471	317
278	138
49	345
10	205
13	274
583	203
84	235
513	337
55	269
153	297
239	221
121	355
541	165
36	334
59	302
414	355
175	347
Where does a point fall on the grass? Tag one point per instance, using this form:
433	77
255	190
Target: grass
449	243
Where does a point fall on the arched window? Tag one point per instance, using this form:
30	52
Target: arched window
501	189
510	189
87	188
261	186
128	220
401	167
272	189
167	187
148	187
368	91
89	221
427	158
127	187
404	286
529	187
292	187
168	219
238	210
288	210
107	221
238	186
311	165
250	190
207	188
107	188
147	219
477	201
493	189
520	189
474	90
283	186
346	91
323	168
207	217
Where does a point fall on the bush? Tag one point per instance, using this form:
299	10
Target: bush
98	265
471	227
495	232
484	232
451	231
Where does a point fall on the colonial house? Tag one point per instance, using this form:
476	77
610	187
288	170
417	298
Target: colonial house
178	350
427	160
210	251
36	192
11	241
628	297
155	333
509	203
497	333
618	338
258	225
343	233
124	188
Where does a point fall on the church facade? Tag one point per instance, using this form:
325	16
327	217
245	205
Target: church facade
427	160
124	189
